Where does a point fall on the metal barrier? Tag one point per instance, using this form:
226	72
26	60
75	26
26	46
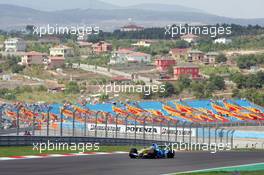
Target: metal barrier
29	140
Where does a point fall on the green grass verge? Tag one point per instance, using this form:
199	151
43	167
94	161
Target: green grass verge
255	169
28	150
228	173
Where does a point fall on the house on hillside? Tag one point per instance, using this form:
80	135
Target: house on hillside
15	45
190	38
102	47
85	47
131	28
222	41
126	55
143	43
163	63
138	57
119	56
210	58
186	69
196	56
61	51
179	53
33	58
53	62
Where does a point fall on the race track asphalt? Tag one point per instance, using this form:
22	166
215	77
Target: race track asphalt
120	164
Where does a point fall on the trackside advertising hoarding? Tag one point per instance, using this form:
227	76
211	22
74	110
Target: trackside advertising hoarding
140	129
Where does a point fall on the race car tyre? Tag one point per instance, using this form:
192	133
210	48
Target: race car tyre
152	154
170	155
133	153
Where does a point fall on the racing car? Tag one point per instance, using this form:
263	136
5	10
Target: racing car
152	152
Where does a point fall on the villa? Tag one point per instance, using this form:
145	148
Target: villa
15	45
186	69
61	51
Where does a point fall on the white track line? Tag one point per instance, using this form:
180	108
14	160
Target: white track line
59	155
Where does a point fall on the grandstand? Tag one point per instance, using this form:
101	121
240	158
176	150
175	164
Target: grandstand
191	111
195	120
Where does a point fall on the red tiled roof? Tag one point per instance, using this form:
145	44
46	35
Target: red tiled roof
56	58
82	43
138	54
190	36
179	50
62	47
121	78
34	53
100	43
123	51
132	26
126	49
164	58
186	65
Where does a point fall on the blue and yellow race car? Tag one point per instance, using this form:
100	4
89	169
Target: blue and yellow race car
152	152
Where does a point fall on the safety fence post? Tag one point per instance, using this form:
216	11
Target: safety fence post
190	132
183	130
96	118
106	124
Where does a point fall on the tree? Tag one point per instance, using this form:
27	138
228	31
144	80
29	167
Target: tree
169	90
249	81
170	70
72	87
10	96
184	82
254	95
94	38
221	58
235	93
26	88
103	97
41	88
239	79
216	83
30	29
146	94
246	61
181	44
200	90
70	65
17	68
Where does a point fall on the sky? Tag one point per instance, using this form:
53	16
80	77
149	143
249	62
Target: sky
228	8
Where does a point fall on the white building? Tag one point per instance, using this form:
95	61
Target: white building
6	77
210	57
15	45
190	38
131	28
143	43
119	56
61	51
222	41
138	57
127	55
